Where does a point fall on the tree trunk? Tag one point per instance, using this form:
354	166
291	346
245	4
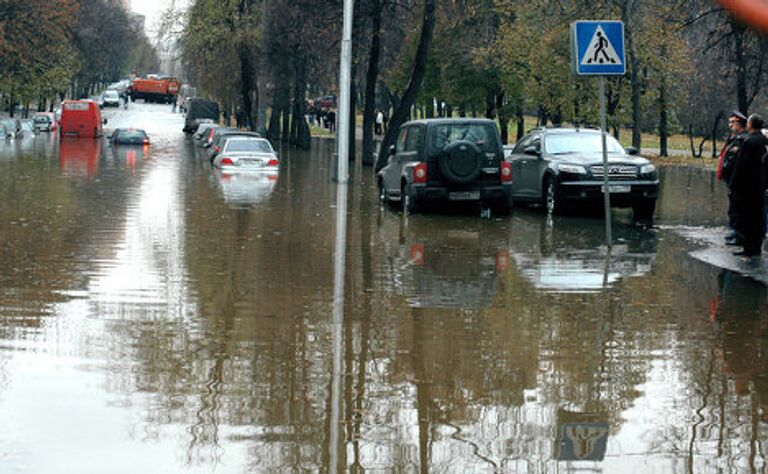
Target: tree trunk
741	65
520	119
275	132
490	105
302	138
352	117
627	14
285	110
246	84
663	119
503	116
371	78
414	85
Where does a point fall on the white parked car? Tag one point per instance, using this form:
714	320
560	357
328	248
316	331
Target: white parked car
243	153
110	98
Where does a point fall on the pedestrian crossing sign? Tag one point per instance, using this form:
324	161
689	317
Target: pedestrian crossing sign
598	48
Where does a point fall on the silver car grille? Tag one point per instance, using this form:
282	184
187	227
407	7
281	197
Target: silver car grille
615	172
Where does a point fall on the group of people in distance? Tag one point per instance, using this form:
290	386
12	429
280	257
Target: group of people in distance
743	167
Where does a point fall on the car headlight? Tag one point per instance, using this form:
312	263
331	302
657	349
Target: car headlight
647	169
573	169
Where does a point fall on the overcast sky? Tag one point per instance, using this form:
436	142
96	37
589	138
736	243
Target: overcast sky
149	8
153	8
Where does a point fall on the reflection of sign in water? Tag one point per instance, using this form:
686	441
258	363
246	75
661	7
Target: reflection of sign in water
582	441
581	436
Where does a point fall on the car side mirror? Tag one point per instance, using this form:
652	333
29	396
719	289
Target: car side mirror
531	150
632	150
391	150
104	121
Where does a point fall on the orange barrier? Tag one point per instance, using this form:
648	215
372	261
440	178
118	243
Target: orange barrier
751	12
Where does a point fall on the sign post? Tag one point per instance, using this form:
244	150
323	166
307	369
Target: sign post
597	49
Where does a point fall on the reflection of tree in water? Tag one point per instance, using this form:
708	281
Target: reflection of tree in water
245	363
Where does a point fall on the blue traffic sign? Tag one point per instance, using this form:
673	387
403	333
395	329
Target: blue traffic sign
598	48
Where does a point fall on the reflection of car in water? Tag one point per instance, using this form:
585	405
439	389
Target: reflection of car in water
79	158
129	156
445	261
569	254
244	189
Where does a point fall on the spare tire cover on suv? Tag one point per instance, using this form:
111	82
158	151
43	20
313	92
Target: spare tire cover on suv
461	162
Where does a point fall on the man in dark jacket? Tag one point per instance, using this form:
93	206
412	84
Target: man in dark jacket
737	122
748	188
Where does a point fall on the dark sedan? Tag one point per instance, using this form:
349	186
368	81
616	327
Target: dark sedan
562	168
129	136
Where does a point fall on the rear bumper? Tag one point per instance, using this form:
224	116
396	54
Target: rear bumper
500	194
593	190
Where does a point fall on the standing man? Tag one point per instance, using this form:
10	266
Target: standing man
737	122
748	188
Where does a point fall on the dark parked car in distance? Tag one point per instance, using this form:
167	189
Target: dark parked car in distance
129	136
562	168
447	161
198	110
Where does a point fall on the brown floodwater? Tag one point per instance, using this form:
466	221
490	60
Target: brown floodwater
158	316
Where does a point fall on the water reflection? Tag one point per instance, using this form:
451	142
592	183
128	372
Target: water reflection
445	261
151	318
569	254
79	158
130	157
245	189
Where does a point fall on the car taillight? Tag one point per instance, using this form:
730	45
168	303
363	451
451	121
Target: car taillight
226	161
502	260
273	162
420	173
146	141
506	172
417	254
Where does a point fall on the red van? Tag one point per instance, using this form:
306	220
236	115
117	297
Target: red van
81	118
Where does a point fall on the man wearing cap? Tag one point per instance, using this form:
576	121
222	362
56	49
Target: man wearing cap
747	187
737	122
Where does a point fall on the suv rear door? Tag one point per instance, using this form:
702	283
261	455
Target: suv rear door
407	148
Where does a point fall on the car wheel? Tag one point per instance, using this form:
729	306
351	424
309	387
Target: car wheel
383	201
643	209
409	200
552	202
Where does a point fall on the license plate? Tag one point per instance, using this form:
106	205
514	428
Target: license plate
617	188
464	196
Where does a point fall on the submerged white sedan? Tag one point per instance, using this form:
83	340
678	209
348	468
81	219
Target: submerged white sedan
250	154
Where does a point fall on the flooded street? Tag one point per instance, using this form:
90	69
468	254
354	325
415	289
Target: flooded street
157	315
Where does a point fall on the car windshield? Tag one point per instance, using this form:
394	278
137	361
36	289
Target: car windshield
258	146
480	134
579	142
130	135
111	95
41	119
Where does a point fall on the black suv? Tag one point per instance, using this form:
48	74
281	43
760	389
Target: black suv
563	167
447	160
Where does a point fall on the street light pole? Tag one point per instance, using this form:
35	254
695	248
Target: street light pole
345	72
